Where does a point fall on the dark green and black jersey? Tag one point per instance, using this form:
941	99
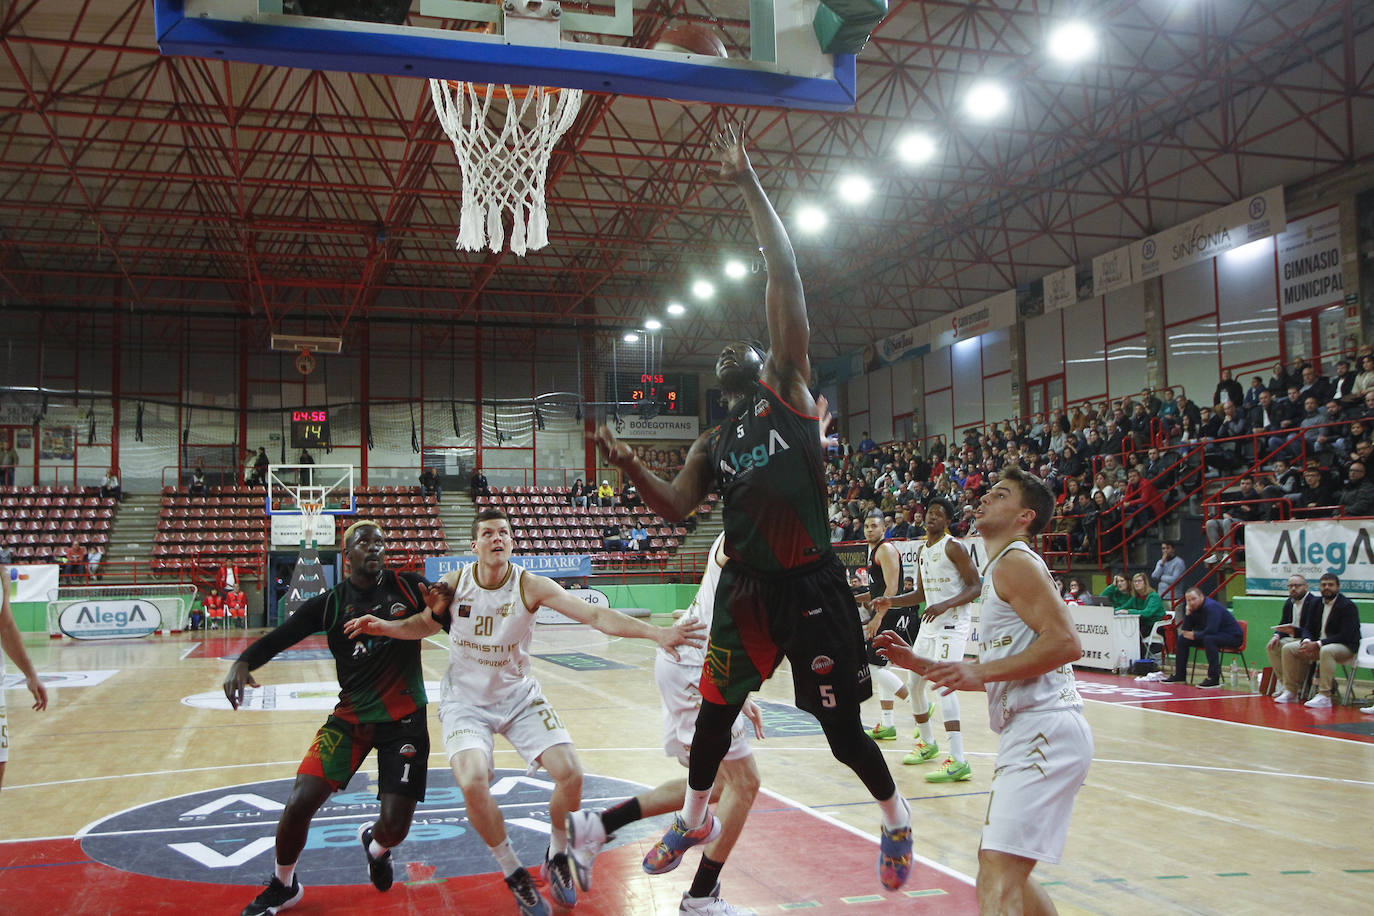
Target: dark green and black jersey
766	458
380	678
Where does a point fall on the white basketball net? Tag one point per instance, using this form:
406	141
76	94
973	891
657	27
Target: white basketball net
503	170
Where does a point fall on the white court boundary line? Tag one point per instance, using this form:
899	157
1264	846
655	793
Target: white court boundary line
1268	728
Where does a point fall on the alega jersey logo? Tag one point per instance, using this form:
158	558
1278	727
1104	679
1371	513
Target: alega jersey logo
756	457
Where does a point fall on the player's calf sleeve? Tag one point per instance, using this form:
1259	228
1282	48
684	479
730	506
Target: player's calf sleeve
853	748
710	743
887	682
949	707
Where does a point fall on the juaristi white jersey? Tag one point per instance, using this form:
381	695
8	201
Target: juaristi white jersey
1003	633
703	608
941	580
490	630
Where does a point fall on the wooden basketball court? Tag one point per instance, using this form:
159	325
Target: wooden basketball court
143	792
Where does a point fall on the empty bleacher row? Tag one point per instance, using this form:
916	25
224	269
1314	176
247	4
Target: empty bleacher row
544	521
230	525
39	523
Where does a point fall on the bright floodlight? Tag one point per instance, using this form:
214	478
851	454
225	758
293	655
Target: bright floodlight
916	148
855	189
676	308
630	337
811	219
652	324
1072	42
703	289
986	101
736	270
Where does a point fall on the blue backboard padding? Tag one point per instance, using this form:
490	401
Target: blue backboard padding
588	67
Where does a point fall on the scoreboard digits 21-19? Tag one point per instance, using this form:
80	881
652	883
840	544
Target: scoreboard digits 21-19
669	390
309	428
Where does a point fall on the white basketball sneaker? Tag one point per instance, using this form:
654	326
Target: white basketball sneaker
586	836
710	906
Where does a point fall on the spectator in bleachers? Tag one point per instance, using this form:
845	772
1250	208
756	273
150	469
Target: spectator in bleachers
429	484
1364	380
1228	391
477	484
1343	385
629	496
1146	602
1278	381
109	487
1168	570
1186	408
1142	503
1238	506
866	444
577	496
1073	594
305	457
94	555
613	538
198	487
605	494
1103	486
1119	592
1357	498
6	554
9	460
1314	386
1231	425
836	531
1113	471
1209	625
1331	437
1253	392
1318	495
639	536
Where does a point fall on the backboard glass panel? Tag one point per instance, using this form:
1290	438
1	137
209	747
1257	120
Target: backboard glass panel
590	51
331	485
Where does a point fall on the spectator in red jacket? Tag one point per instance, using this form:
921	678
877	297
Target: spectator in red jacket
1143	504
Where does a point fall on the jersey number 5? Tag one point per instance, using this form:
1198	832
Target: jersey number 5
828	696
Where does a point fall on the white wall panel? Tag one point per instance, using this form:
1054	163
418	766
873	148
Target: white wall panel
1191	350
967	366
1126	366
997	404
1189	292
1044	345
1247	306
1085	368
996	351
1126	312
880	404
936	366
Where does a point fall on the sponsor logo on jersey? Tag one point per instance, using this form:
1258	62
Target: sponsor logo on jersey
408	750
761	409
464	610
756	457
813	612
398	609
504	610
822	664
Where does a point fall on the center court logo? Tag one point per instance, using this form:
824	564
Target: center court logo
226	836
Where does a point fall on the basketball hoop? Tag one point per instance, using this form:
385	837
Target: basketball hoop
503	170
305	361
310	510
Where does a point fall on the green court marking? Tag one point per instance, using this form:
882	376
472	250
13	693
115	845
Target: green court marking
933	892
811	905
1233	874
1298	871
866	898
1170	877
1358	871
1051	883
1109	880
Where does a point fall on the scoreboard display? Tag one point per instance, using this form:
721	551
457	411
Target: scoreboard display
309	428
674	393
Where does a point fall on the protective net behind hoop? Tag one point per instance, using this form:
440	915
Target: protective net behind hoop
503	169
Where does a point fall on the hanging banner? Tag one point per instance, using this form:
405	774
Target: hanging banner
553	566
1276	550
1112	271
1061	289
1310	263
988	315
289	530
912	342
33	583
1209	235
663	426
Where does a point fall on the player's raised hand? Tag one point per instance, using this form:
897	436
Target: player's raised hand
729	145
238	678
892	647
952	676
683	633
880	606
755	715
615	451
823	411
932	611
366	625
437	597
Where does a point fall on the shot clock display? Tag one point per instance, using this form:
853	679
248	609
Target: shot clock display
309	428
673	392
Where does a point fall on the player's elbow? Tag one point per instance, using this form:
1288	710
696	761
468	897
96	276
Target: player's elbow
1071	648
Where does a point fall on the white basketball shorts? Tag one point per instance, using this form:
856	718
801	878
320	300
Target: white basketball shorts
527	720
678	685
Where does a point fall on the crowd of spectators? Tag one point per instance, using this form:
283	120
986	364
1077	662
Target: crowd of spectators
1119	466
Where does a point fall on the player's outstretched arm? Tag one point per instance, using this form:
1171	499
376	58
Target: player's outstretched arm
674	501
543	591
13	645
894	648
789	332
308	619
1023	584
416	626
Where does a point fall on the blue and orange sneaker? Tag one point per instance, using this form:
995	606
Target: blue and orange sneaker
667	852
894	857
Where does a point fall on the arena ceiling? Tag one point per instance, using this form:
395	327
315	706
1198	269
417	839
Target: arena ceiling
315	200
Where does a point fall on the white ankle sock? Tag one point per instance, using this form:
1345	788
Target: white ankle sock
694	807
896	812
285	873
887	718
956	745
505	857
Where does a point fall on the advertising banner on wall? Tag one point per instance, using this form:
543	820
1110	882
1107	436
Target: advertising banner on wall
988	315
1276	550
663	426
1112	271
555	567
1211	234
33	583
1310	263
1061	289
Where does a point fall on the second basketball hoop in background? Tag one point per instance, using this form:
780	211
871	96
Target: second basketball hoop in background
691	38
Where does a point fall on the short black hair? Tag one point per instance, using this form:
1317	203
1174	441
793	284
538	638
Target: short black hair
1034	496
1330	575
943	503
487	515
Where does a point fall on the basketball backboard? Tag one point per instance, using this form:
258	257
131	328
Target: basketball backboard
776	62
301	489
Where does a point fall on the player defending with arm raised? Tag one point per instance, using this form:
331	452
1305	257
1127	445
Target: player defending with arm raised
487	690
381	705
947	580
783	591
1027	648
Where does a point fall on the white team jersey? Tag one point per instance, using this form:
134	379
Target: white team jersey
941	580
490	635
703	608
1003	633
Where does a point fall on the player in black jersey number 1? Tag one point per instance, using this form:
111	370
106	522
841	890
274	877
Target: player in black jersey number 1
381	705
782	592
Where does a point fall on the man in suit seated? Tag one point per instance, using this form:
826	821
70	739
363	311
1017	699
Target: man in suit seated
1301	604
1209	625
1331	637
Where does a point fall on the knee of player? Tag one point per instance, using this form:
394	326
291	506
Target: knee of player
307	794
